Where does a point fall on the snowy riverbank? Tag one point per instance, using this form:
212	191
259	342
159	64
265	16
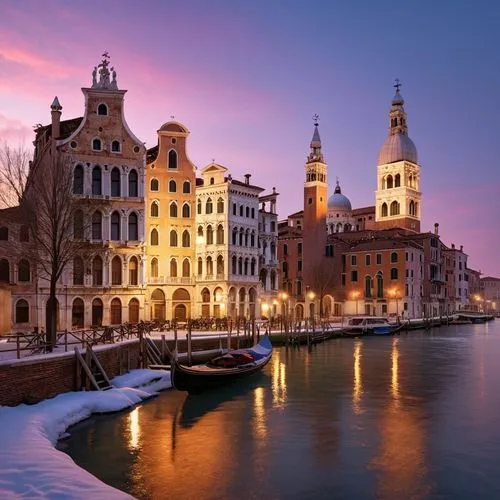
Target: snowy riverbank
31	467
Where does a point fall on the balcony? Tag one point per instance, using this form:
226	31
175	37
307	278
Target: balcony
168	280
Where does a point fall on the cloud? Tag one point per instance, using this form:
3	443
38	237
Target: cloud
14	131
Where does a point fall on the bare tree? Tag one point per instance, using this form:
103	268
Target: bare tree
14	170
51	205
323	282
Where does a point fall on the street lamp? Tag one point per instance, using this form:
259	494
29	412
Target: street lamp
355	296
394	294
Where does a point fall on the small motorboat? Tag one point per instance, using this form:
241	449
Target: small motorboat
222	370
370	325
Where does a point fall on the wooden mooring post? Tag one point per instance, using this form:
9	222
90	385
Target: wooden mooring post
188	338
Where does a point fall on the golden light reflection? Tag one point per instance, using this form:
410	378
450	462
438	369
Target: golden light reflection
259	413
395	369
279	383
134	429
357	389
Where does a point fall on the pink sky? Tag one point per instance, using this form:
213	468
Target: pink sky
246	77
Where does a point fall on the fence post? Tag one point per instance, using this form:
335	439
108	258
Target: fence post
18	347
66	340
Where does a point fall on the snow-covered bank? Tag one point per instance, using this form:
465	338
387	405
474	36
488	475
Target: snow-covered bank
31	467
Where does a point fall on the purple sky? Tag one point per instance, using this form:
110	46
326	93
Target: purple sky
246	77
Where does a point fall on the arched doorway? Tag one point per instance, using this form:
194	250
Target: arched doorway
311	310
327	306
133	311
299	312
241	308
218	303
252	297
181	301
158	305
97	311
78	313
231	298
205	303
116	311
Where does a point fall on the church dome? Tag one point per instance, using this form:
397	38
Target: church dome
397	147
338	202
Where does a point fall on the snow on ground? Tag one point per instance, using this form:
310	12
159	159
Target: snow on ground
30	466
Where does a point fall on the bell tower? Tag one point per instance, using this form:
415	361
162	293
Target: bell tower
398	196
315	208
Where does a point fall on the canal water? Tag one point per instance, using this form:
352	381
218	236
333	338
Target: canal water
407	417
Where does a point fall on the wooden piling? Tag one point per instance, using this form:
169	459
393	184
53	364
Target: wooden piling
163	349
189	354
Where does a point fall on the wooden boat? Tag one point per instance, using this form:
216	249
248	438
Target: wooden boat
223	369
370	325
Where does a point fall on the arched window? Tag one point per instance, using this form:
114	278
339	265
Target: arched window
96	180
24	234
102	110
155	211
389	182
97	271
133	230
116	311
78	225
186	187
115	226
97	312
173	238
247	212
380	285
252	239
23	271
241	210
78	180
186	239
186	268
77	313
384	210
240	266
394	208
198	209
155	185
173	268
154	267
133	276
273	280
97	225
77	271
133	311
210	266
116	271
234	267
97	145
245	267
172	159
235	236
115	182
154	237
397	180
173	209
210	235
115	147
186	210
284	268
200	266
22	311
368	286
220	206
200	234
4	270
172	186
220	234
212	180
252	267
247	233
133	184
394	257
394	273
220	266
416	209
411	208
241	236
205	295
208	206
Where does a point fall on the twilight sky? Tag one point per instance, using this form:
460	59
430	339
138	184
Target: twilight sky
246	77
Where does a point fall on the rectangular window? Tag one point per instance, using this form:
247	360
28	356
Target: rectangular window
299	265
367	259
299	248
406	256
353	260
343	279
354	276
384	308
379	259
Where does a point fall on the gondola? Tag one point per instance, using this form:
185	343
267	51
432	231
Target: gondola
222	370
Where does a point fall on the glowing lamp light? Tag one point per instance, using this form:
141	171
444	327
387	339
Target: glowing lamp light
265	307
311	295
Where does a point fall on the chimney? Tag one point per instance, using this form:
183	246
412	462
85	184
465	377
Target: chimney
55	108
453	246
247	178
461	248
436	228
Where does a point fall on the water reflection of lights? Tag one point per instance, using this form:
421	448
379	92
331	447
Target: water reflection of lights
395	369
357	389
260	413
279	383
134	429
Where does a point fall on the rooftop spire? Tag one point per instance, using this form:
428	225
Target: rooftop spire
397	114
104	75
315	154
55	106
337	188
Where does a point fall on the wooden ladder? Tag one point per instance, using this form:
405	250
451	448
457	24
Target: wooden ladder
93	370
